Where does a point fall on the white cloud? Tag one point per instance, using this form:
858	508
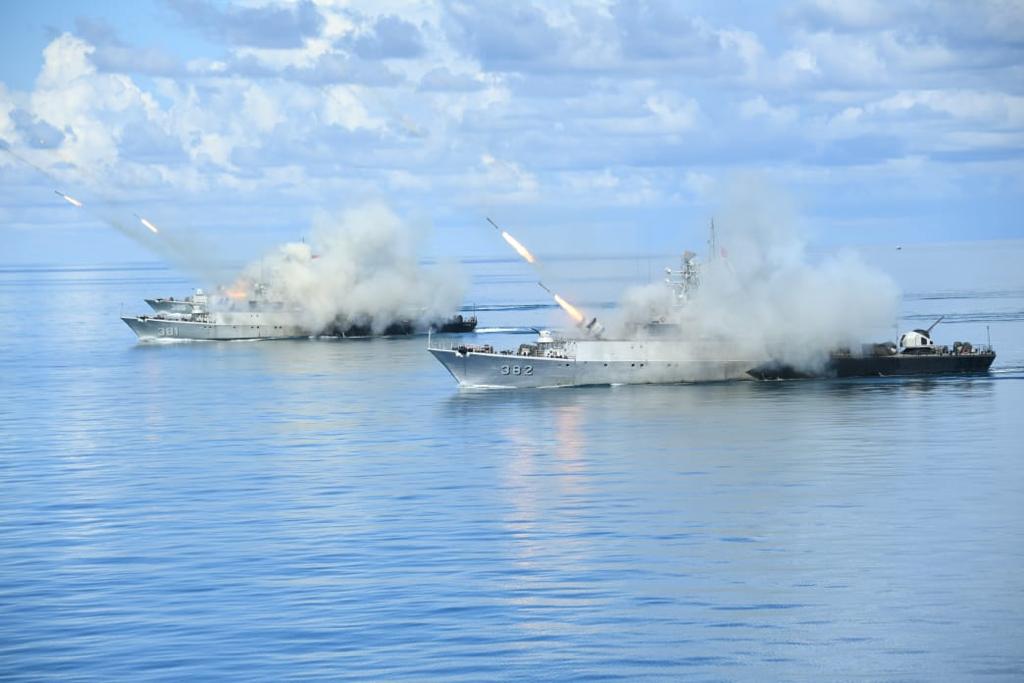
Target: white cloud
6	107
592	104
590	181
262	108
992	108
699	184
673	113
758	107
797	65
505	181
344	108
92	108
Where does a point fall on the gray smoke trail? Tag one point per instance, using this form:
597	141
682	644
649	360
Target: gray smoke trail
185	251
364	270
766	297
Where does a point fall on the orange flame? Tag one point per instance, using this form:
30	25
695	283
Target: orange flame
520	249
573	312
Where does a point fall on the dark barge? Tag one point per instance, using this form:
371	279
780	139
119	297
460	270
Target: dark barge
916	354
457	324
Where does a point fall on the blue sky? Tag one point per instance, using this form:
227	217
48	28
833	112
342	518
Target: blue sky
593	127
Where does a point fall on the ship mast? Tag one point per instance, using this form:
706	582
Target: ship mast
712	242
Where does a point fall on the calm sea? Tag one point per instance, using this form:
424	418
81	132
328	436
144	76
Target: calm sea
341	510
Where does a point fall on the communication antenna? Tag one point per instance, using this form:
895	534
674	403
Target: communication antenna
712	242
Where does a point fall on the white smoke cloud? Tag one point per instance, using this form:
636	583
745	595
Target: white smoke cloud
763	294
362	268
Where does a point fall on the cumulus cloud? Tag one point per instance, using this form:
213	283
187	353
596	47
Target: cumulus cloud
759	107
390	37
504	35
662	30
36	132
265	26
573	107
441	79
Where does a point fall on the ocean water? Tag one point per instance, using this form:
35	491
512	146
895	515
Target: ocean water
331	510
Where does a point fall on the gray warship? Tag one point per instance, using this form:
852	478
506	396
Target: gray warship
194	318
551	362
658	354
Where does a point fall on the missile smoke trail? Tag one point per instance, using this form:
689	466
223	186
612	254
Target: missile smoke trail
150	226
573	312
70	200
186	253
515	244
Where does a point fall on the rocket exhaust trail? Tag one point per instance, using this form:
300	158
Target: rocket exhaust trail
515	244
186	254
69	199
573	312
149	226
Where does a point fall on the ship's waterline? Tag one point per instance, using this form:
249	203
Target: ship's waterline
594	362
151	328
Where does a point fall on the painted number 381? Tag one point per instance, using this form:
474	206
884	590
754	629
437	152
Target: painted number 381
517	369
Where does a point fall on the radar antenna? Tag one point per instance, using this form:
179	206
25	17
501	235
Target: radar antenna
929	330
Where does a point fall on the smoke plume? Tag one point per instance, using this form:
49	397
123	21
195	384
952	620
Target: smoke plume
762	293
362	269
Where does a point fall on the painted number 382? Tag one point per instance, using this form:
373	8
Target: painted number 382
517	369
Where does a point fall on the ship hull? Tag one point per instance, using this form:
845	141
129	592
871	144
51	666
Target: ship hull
157	328
474	369
896	365
230	327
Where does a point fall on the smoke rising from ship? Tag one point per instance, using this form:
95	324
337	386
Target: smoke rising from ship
763	292
363	270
